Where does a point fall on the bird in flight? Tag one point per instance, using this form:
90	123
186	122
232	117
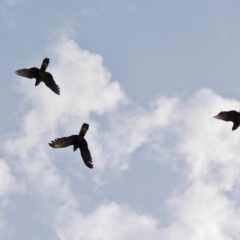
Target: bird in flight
230	116
40	75
78	141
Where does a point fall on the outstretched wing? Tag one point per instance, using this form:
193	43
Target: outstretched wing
85	153
44	65
28	73
83	130
227	116
63	142
49	81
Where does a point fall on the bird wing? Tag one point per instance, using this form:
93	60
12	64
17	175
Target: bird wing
63	142
227	116
49	81
83	130
44	65
85	153
28	73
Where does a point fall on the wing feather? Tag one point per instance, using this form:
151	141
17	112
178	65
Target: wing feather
49	81
63	142
228	116
28	73
85	153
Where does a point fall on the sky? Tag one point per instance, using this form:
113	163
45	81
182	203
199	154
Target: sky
148	77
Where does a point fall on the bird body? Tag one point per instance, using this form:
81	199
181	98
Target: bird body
230	116
78	141
40	75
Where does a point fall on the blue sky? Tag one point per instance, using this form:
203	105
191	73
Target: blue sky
148	77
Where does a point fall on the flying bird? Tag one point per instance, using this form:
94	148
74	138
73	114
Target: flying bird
230	116
40	75
78	141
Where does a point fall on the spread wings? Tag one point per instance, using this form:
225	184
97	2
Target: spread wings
49	81
228	116
28	73
85	153
67	141
63	142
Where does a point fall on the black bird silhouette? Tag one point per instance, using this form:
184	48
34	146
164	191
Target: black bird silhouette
230	116
41	76
78	141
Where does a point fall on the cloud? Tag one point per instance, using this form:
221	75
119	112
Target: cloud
8	182
205	206
202	212
209	146
85	88
110	221
9	185
130	128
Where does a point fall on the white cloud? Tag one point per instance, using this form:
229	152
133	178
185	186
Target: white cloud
202	212
210	147
8	183
200	209
111	221
131	128
203	208
85	88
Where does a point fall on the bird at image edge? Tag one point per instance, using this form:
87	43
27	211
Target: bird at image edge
78	141
40	75
230	116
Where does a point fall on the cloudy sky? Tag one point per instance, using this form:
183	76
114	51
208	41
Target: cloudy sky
148	77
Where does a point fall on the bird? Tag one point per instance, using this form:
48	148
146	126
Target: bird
78	141
230	116
40	75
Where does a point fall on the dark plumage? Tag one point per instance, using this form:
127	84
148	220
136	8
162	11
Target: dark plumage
78	141
232	116
40	75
